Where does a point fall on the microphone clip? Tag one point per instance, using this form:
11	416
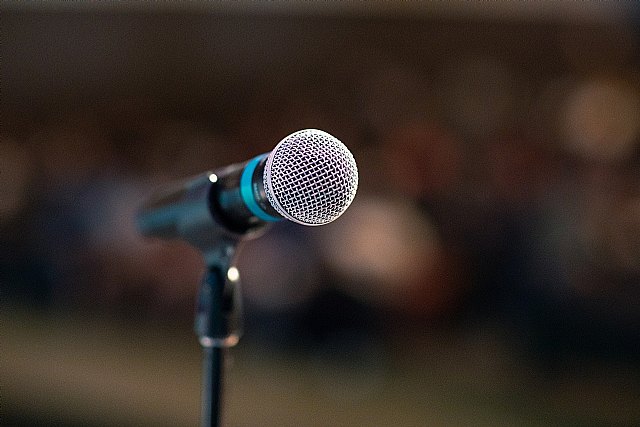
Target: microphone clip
218	314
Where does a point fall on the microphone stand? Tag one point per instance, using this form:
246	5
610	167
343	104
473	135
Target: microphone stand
217	324
189	212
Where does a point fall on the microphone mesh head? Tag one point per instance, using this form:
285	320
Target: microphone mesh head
310	177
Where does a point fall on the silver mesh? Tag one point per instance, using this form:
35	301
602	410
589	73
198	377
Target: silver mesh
310	177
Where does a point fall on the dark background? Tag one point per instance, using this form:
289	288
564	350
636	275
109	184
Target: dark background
487	273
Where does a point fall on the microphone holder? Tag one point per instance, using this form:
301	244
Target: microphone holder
217	323
218	314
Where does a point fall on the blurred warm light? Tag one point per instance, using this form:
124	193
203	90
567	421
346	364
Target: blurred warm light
383	248
602	119
233	274
475	245
279	271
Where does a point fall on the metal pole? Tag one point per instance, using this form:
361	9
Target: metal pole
212	386
217	324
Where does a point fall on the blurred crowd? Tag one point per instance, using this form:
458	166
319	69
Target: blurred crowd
492	189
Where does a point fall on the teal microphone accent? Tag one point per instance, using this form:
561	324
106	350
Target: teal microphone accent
246	192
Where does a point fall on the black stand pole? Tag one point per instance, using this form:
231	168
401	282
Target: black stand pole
217	325
212	386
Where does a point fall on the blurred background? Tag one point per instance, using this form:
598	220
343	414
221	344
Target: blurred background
488	272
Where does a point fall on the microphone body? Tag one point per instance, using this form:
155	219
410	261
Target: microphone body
310	178
216	194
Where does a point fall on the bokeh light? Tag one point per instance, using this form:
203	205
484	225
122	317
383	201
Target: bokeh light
486	273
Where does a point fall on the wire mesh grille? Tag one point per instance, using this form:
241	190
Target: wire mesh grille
310	177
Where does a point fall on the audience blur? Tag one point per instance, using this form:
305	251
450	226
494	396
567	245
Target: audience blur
500	179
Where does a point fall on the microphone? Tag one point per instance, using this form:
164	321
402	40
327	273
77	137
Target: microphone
310	178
